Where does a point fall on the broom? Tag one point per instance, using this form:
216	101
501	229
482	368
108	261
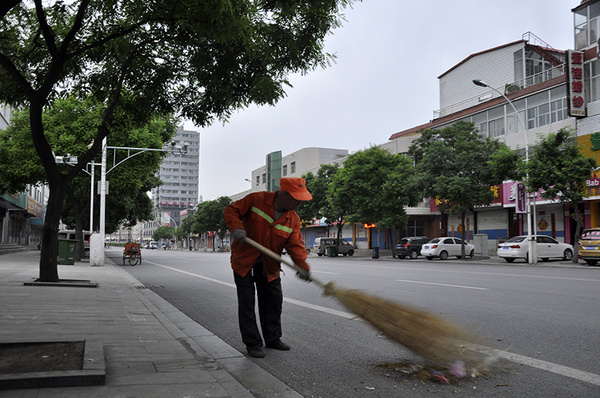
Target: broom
434	338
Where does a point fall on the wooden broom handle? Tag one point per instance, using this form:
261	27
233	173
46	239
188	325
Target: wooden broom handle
280	259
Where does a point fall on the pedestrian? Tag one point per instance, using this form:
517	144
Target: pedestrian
270	219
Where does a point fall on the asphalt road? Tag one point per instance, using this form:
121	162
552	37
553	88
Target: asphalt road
545	321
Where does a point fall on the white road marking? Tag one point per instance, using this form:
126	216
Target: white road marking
442	284
315	307
576	374
543	365
194	275
455	271
324	272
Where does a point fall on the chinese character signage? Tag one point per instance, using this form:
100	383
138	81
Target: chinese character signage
521	203
575	84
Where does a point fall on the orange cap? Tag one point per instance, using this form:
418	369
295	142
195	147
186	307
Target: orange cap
296	187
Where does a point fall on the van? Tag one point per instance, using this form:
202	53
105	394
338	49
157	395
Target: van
341	246
70	234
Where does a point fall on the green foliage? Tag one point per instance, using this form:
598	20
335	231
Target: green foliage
164	233
201	60
458	166
209	217
318	186
559	169
69	126
374	186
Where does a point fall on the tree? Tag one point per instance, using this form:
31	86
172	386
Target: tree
200	60
209	218
164	233
458	167
374	186
317	186
559	171
70	124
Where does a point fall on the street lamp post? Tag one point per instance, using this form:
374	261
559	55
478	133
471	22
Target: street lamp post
260	185
97	240
530	239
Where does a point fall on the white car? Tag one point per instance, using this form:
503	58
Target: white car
547	248
446	247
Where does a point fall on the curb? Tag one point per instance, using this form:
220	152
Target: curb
234	371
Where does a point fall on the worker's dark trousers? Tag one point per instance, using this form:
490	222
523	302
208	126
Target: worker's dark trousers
270	301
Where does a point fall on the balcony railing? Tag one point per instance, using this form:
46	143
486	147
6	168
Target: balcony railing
507	89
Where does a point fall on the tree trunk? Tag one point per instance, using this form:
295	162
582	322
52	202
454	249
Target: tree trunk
49	255
339	230
391	241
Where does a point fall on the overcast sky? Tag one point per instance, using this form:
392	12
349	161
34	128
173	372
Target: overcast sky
389	56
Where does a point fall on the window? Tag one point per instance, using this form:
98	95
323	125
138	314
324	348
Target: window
558	110
257	180
284	170
544	114
531	117
496	127
293	167
496	123
480	122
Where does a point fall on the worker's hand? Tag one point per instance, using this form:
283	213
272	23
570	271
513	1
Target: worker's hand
239	234
304	275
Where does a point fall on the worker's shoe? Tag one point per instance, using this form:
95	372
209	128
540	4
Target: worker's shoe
278	345
256	352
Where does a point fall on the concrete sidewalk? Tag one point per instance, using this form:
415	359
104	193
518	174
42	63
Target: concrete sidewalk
147	346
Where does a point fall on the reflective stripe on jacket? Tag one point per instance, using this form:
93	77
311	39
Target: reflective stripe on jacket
255	214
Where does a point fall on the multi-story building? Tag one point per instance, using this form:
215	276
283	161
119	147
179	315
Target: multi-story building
178	195
547	89
296	164
532	75
21	215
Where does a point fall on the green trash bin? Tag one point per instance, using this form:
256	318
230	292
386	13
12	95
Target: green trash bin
66	251
330	251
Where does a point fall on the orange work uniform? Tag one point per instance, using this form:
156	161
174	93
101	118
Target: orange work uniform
255	214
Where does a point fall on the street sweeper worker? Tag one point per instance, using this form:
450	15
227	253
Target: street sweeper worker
268	218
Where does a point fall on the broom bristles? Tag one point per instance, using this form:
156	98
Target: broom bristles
432	337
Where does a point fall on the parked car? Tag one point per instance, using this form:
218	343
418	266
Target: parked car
446	247
589	246
547	248
410	246
342	246
153	245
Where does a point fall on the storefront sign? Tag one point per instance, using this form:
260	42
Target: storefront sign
575	84
521	203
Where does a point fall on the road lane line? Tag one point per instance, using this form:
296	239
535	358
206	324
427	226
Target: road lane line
315	307
566	371
194	275
542	365
455	271
442	284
